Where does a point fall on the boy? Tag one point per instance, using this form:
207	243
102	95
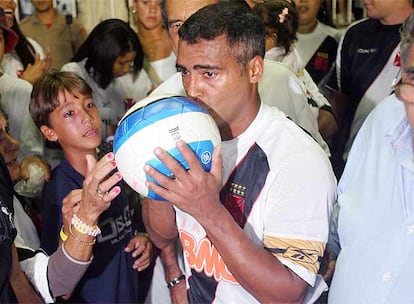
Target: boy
63	108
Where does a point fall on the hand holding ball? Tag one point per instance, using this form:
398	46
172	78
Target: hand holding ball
161	120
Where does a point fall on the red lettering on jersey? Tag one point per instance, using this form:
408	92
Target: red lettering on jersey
321	62
205	258
235	205
397	59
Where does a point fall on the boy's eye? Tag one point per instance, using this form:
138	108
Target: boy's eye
68	114
90	105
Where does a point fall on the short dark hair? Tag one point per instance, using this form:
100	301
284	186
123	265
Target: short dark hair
108	40
45	93
244	30
276	20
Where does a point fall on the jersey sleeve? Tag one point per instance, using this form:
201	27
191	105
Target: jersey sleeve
299	206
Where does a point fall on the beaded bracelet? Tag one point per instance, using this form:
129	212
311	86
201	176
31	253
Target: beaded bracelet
175	281
79	240
63	235
84	228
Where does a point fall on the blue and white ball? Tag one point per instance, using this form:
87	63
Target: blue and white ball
161	120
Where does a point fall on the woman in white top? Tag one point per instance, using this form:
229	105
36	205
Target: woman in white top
159	60
318	39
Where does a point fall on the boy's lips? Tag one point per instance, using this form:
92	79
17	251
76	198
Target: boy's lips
91	132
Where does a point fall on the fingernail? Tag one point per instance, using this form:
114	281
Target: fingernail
113	163
110	155
180	143
117	189
158	151
118	175
146	168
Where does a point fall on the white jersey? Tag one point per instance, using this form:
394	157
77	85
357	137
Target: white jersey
278	87
308	44
279	187
15	99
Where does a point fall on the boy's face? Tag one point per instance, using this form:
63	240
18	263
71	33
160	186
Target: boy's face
75	123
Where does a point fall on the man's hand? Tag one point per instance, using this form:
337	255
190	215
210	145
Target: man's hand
194	190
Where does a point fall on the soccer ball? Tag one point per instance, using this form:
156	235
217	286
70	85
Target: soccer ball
161	120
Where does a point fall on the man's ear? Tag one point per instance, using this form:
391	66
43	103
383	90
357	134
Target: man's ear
48	133
255	68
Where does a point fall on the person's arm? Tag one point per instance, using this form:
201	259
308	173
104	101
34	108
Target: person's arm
58	274
196	192
21	286
178	291
163	233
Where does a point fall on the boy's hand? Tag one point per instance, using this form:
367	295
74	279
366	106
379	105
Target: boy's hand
141	247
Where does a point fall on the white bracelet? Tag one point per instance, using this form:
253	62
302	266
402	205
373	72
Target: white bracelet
84	228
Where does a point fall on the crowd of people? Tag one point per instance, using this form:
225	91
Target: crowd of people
309	196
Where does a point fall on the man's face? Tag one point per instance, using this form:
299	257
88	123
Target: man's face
213	77
9	147
178	11
405	92
42	6
75	123
379	9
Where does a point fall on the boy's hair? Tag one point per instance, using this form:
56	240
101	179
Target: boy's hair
45	93
245	32
108	40
281	18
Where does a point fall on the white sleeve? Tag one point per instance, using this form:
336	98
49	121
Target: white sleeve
38	49
35	270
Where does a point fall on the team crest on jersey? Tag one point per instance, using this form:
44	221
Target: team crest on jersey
321	62
235	202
